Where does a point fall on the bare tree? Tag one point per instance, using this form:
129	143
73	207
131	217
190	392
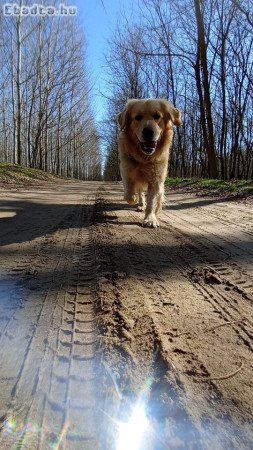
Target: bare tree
197	53
46	118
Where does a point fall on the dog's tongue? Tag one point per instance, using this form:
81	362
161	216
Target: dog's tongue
150	144
148	147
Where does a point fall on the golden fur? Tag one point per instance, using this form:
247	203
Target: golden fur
145	137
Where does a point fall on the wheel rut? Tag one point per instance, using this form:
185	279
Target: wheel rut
54	397
98	315
194	298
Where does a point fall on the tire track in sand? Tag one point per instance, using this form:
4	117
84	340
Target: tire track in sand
160	283
54	400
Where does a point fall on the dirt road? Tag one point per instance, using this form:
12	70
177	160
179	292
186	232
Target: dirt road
101	320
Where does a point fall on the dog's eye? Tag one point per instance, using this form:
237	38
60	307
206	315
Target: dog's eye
138	117
156	116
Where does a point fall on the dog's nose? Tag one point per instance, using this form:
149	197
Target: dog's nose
148	133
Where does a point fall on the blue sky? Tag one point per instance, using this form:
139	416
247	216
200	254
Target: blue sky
99	18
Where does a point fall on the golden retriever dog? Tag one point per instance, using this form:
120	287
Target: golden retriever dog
144	141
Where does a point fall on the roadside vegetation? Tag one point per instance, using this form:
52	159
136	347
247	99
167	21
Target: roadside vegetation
10	172
243	187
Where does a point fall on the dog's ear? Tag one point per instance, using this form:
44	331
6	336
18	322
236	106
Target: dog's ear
123	119
173	113
176	117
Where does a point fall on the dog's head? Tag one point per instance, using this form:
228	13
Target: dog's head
146	120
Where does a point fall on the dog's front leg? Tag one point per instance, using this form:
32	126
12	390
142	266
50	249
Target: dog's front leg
130	192
142	201
154	201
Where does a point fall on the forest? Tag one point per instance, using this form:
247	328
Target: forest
196	53
199	55
46	121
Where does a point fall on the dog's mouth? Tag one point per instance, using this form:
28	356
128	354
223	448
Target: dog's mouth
148	147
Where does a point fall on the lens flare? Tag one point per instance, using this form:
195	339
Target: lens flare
131	433
10	424
13	430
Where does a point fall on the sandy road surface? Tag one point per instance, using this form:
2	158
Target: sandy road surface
98	315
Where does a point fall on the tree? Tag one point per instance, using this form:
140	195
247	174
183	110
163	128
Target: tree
47	121
198	54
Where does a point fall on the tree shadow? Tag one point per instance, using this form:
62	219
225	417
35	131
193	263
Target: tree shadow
27	220
133	258
196	203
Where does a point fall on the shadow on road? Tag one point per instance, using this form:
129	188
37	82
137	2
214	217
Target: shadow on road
196	203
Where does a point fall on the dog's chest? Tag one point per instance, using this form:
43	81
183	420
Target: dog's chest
149	172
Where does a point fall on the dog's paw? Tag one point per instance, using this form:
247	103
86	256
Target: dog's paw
132	200
141	208
150	222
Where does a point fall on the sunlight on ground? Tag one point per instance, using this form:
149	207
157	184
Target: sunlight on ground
131	433
5	214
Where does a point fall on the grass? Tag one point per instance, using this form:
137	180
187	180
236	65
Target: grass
15	172
236	186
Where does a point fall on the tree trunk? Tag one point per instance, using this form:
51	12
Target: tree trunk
210	145
18	88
